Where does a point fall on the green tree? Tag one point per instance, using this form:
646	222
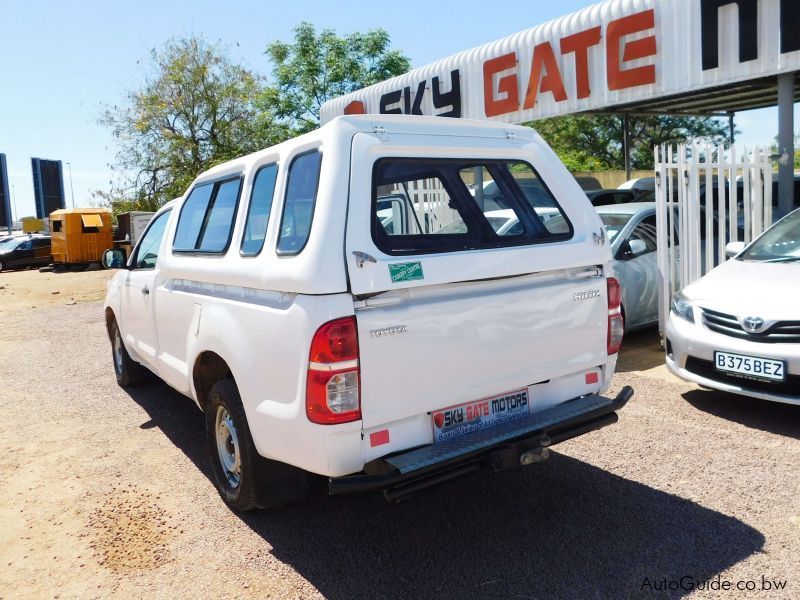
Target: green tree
318	67
195	109
594	142
774	149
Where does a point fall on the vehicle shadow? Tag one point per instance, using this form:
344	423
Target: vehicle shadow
772	417
641	350
561	529
177	417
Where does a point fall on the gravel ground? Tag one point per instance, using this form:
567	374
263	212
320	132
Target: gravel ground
105	493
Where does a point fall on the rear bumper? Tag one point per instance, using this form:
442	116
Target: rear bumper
497	448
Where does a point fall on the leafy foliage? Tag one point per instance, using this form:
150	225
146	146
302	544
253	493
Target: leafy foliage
775	150
595	142
318	67
197	109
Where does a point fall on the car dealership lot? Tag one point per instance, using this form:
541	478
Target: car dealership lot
104	492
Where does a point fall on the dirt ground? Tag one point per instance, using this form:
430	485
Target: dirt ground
31	289
108	493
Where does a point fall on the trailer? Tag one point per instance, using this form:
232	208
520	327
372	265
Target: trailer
80	235
131	226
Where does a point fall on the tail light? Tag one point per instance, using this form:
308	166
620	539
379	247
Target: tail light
332	383
616	326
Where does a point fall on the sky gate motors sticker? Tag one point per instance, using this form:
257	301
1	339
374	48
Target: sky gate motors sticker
458	420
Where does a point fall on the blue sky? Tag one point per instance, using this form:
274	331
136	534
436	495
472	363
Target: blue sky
63	60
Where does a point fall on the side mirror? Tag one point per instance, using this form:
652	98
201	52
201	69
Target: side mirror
115	258
733	248
637	247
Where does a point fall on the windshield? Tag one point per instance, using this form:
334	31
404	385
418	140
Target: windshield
10	244
780	243
614	223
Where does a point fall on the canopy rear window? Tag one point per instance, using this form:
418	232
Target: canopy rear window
446	205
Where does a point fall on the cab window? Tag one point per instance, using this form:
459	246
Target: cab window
149	245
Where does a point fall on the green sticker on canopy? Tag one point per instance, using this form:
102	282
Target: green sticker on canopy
405	271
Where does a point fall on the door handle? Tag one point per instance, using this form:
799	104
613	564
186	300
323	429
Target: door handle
362	257
145	291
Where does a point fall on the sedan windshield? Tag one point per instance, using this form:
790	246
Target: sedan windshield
614	223
10	244
780	243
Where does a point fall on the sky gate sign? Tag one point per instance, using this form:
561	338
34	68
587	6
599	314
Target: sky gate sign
610	54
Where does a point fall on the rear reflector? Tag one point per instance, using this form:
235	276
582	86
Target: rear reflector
616	326
332	382
592	378
379	438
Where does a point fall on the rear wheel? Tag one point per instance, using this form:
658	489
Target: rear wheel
245	479
128	371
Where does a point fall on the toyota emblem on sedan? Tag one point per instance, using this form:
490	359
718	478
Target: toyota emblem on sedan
753	324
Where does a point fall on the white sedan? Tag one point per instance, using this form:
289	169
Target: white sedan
737	329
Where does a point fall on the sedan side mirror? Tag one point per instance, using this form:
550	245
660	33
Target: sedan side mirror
733	248
115	258
637	247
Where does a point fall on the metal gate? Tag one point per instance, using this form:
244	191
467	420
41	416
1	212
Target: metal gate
705	198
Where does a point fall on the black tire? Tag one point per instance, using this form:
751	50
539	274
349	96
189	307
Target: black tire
127	370
245	479
46	269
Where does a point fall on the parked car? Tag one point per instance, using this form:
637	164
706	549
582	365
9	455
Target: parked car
737	328
25	251
494	198
606	197
588	183
775	198
316	340
644	188
631	230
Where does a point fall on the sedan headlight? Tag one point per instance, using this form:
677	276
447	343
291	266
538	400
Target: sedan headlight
682	307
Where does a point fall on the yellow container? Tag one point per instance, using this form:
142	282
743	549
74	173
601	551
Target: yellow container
80	235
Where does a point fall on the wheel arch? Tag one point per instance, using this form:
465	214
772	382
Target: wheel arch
208	368
110	318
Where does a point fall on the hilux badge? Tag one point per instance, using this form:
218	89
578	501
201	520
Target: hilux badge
585	295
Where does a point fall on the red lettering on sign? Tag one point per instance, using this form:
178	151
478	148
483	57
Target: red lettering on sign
507	85
501	92
619	78
579	43
544	59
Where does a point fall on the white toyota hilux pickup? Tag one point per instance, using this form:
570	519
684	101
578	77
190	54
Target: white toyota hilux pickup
349	304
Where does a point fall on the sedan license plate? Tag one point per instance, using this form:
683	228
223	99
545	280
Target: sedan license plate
455	421
752	366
